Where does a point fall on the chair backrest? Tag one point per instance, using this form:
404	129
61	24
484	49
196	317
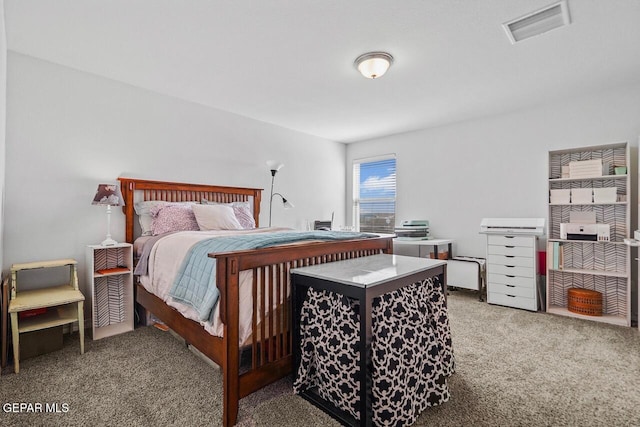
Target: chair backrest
322	225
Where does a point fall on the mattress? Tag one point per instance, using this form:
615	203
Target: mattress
167	255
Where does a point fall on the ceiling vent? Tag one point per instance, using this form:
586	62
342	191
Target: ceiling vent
539	22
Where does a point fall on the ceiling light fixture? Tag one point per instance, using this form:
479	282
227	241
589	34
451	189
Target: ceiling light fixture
373	64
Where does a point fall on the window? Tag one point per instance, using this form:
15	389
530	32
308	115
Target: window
374	194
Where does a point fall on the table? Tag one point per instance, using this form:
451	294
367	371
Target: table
430	243
361	279
65	304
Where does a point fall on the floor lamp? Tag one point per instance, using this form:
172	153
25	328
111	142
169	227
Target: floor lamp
274	167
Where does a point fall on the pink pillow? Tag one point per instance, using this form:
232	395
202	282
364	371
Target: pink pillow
172	218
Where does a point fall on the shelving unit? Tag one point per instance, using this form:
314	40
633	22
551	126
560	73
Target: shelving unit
603	266
110	283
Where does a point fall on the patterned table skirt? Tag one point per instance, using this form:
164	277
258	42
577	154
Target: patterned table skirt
411	351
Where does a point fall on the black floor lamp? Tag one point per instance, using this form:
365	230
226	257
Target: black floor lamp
274	167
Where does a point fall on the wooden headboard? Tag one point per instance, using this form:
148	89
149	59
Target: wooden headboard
182	192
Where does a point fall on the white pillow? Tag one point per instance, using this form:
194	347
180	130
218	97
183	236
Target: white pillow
216	217
242	211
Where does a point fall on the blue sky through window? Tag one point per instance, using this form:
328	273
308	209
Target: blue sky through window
376	194
378	179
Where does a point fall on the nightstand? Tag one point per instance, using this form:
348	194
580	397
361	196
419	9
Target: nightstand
110	286
64	304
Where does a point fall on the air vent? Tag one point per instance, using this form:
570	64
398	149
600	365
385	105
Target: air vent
539	22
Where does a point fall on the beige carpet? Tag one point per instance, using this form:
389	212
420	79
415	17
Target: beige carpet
513	368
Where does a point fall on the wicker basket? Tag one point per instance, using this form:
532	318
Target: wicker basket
584	301
441	255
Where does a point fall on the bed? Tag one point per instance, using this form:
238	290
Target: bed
269	340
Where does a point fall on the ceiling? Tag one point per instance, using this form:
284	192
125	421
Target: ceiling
290	62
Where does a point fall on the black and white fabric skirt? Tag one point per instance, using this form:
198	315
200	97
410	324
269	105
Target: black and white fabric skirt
411	351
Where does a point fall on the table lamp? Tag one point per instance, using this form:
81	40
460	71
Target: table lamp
108	195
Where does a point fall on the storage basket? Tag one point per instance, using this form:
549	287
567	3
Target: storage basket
584	301
441	255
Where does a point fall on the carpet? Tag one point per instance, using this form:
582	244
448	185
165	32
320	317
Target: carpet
513	368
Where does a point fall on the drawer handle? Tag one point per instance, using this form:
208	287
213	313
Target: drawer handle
510	256
510	266
510	247
512	296
508	275
511	286
509	237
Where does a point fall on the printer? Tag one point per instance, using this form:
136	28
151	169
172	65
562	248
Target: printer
583	226
414	229
589	232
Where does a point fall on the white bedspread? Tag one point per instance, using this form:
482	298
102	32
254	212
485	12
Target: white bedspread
165	260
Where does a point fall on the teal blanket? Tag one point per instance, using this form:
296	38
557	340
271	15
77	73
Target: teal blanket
195	283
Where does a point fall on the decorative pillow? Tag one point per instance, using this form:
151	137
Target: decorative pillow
173	217
143	209
242	211
216	217
244	216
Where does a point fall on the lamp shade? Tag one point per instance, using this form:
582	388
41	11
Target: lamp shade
108	195
373	64
274	165
287	204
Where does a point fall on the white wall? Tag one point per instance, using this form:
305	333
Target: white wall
497	166
68	131
3	115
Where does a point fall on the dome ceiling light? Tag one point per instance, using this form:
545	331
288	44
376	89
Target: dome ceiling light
373	64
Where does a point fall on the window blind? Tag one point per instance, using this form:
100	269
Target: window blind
374	194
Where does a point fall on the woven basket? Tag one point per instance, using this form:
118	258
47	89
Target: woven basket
584	301
441	255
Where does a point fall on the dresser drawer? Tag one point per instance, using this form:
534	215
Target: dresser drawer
510	250
510	260
523	282
511	241
511	271
518	291
513	301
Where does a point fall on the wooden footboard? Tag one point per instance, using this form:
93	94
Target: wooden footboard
270	342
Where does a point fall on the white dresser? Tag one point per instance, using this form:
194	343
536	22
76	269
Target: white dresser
512	262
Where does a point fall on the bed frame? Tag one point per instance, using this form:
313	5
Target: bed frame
270	345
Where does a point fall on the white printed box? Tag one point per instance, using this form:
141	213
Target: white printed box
581	196
559	196
605	195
